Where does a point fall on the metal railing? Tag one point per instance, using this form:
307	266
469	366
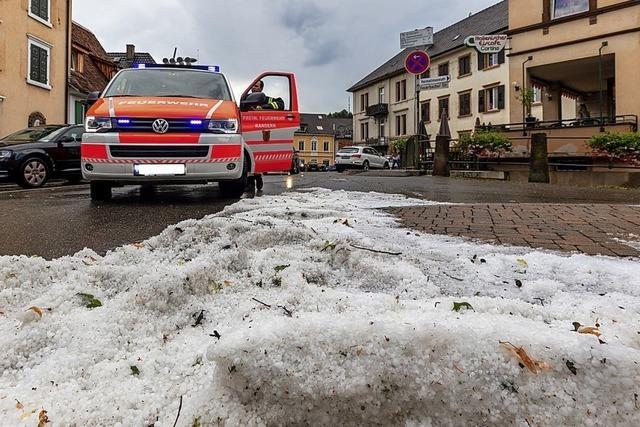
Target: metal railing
629	119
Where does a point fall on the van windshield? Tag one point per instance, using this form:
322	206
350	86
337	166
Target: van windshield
169	83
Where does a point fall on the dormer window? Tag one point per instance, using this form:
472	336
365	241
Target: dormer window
40	10
561	8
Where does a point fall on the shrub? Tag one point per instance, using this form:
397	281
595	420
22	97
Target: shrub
486	143
623	146
400	145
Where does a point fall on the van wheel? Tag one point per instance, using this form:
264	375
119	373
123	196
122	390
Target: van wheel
365	166
100	191
234	189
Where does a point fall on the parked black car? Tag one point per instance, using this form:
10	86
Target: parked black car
32	156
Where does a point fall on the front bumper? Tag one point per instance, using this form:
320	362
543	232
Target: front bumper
5	171
195	172
223	162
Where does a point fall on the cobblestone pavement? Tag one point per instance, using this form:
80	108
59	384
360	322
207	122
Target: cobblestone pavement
590	229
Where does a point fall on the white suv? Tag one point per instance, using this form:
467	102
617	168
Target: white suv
360	158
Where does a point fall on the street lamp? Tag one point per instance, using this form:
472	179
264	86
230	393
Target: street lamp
604	44
524	93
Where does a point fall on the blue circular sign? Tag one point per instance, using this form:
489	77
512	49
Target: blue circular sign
417	62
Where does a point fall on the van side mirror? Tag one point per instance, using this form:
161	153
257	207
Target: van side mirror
92	98
253	100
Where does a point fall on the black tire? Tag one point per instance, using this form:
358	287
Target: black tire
100	191
386	166
34	172
339	169
235	189
365	166
259	183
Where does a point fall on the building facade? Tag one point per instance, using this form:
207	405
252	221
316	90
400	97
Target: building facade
131	57
585	51
386	106
318	138
91	69
34	58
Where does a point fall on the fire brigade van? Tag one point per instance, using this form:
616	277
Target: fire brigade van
182	125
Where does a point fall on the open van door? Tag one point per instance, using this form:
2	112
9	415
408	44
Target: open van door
269	120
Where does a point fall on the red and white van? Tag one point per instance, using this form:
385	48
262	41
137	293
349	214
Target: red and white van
175	125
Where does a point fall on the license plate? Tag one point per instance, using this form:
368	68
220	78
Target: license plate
346	157
159	170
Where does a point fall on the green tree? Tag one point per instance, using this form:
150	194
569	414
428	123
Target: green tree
344	114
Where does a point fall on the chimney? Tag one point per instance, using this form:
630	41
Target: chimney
131	52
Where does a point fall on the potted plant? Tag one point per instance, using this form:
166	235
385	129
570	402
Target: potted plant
527	97
486	143
621	146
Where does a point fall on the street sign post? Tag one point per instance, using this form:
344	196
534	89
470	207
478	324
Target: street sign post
416	38
417	62
432	83
493	43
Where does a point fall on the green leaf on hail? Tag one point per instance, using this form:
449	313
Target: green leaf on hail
457	306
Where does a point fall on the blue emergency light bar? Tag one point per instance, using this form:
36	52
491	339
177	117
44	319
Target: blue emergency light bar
212	68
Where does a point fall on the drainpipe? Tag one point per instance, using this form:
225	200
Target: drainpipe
524	90
66	62
604	44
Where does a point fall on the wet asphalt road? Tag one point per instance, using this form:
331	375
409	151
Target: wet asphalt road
61	220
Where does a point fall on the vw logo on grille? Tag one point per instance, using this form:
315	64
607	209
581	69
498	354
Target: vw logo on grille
160	126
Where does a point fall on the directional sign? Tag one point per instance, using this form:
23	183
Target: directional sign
416	38
493	43
432	83
417	62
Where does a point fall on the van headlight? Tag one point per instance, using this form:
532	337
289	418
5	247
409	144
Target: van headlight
223	126
4	155
97	124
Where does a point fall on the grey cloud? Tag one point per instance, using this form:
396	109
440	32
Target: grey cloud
329	44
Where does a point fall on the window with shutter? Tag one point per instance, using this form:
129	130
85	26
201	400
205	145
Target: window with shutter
481	58
426	111
38	62
501	101
464	104
464	66
443	69
39	9
443	106
481	101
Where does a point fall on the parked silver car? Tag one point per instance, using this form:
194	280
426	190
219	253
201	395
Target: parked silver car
360	158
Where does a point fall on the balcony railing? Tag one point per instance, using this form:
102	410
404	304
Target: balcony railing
378	110
630	120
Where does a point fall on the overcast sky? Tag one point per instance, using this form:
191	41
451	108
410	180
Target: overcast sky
329	44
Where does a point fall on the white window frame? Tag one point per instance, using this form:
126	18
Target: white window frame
492	92
301	146
493	60
381	95
553	10
326	146
39	19
74	64
31	40
537	95
314	145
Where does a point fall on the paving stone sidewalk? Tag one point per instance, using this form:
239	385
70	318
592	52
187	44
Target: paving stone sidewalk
590	229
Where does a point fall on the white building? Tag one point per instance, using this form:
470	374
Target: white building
385	100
